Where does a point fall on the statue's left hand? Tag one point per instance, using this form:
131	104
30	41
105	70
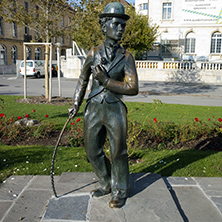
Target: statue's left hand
99	74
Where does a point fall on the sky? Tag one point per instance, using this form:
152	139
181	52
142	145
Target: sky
131	1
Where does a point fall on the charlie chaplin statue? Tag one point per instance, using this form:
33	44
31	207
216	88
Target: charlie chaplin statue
114	74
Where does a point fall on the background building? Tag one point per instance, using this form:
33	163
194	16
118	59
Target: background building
188	29
12	37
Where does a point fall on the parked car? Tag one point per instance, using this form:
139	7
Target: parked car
54	69
33	68
36	68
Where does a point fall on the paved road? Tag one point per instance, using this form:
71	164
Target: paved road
167	92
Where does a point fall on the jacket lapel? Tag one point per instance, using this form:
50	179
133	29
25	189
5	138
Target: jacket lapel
120	54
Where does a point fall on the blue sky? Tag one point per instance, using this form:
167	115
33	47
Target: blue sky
130	1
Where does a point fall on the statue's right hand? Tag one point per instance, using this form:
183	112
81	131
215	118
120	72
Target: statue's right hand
73	110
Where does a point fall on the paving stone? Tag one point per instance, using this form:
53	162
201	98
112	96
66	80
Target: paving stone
211	186
67	208
178	181
218	202
4	206
152	202
42	182
76	182
77	177
195	206
12	187
29	207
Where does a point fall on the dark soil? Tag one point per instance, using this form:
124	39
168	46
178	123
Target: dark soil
202	143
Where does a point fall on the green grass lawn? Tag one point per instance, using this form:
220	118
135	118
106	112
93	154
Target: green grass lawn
32	160
140	112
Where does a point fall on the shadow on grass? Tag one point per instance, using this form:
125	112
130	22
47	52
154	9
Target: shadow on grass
174	162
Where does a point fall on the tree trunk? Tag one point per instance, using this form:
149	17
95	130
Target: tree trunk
46	71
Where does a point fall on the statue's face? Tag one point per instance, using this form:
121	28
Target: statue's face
115	28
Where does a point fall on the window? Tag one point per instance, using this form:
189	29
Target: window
63	21
1	26
26	6
56	55
37	54
28	53
190	42
14	28
2	55
167	11
143	6
14	54
70	39
63	40
55	39
37	11
216	43
26	31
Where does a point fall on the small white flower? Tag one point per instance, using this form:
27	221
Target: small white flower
45	169
4	160
27	161
76	165
57	167
178	159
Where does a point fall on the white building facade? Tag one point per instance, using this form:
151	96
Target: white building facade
188	29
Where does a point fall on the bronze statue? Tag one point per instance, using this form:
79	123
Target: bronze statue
114	74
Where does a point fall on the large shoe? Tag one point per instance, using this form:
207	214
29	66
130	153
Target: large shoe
99	192
117	202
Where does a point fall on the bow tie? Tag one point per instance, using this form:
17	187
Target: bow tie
111	49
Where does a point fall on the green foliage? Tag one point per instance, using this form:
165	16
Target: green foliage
12	131
139	34
76	135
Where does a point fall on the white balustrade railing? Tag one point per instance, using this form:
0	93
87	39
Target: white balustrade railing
183	65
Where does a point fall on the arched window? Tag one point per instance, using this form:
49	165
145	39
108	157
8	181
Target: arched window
2	55
216	43
14	54
37	54
63	52
190	43
28	53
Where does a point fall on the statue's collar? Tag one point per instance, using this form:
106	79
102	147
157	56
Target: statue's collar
111	45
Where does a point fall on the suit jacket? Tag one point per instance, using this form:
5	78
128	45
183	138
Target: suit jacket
121	71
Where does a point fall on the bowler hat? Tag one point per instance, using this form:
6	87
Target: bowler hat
114	9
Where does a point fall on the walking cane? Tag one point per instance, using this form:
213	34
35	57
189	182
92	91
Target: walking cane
54	153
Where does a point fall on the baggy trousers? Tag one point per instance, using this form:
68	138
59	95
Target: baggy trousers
110	119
